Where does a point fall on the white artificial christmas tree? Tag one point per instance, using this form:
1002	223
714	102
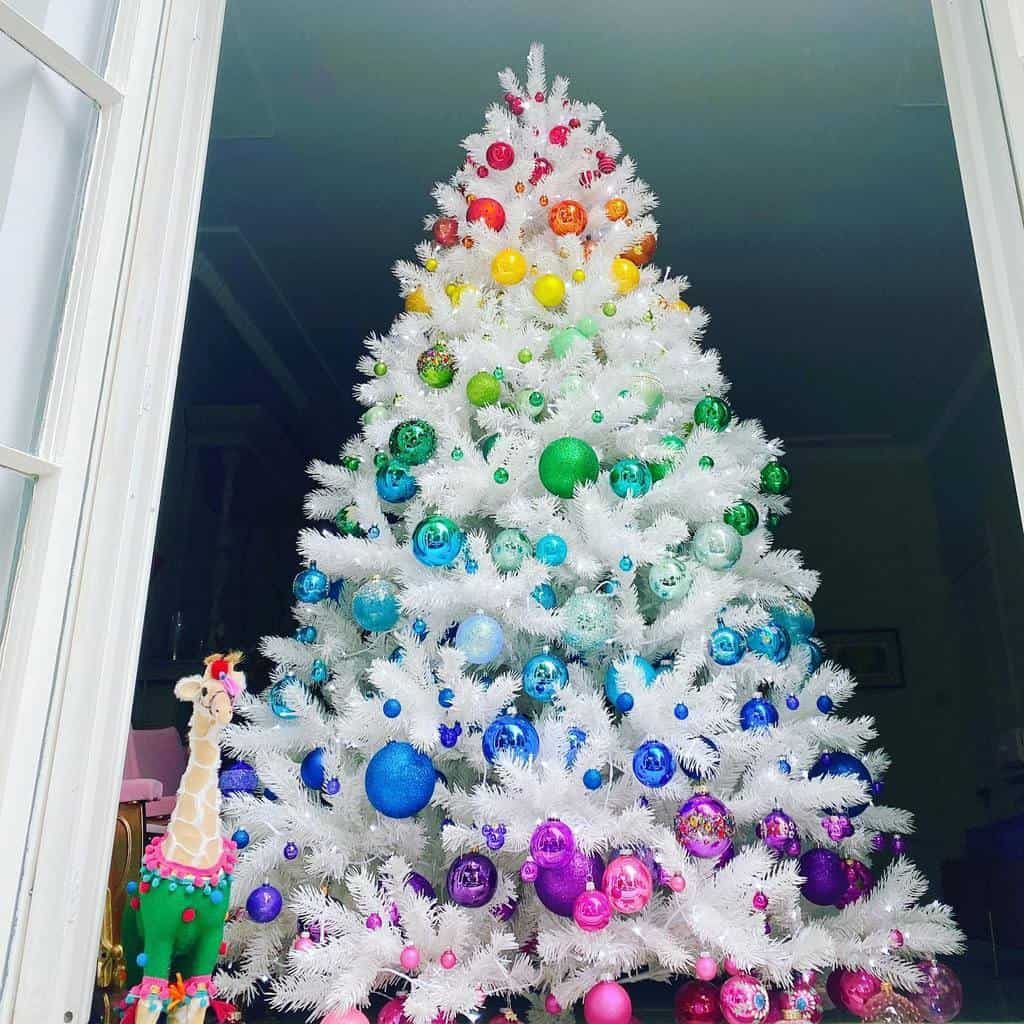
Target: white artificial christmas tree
554	718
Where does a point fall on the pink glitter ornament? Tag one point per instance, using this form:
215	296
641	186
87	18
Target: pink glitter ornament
759	901
696	1002
558	135
705	967
607	1003
592	910
628	884
744	1000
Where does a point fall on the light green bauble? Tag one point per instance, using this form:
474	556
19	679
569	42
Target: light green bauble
571	384
566	462
646	386
630	478
742	517
717	546
509	549
374	414
588	621
561	343
531	402
669	579
436	366
587	326
482	389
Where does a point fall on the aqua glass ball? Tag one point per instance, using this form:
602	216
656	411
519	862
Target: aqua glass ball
306	634
480	638
543	675
795	616
436	366
511	734
551	549
437	541
727	645
669	578
509	549
613	680
588	621
758	713
813	650
717	546
544	595
319	673
276	697
770	641
630	478
742	517
375	605
395	483
413	441
311	585
712	412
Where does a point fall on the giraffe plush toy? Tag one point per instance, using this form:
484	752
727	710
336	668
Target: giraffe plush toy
174	918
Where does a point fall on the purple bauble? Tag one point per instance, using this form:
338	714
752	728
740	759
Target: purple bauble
557	888
552	844
472	880
859	881
263	904
504	911
705	826
941	995
824	874
419	885
778	831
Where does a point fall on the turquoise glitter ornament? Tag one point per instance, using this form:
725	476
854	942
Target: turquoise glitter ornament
395	483
795	616
511	734
375	605
630	478
669	579
509	549
717	546
551	549
480	638
588	621
543	675
437	541
399	780
311	585
413	441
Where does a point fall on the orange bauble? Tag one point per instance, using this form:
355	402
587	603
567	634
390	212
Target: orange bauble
641	252
490	211
616	209
567	218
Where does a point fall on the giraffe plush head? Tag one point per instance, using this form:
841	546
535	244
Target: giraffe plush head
213	693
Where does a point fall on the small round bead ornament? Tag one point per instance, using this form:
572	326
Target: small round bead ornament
588	621
551	549
653	764
437	541
436	366
544	675
552	844
712	412
771	641
565	463
607	1002
509	549
669	579
630	478
480	638
628	884
509	267
696	1002
726	645
717	546
758	713
375	605
413	441
472	880
394	482
835	764
779	832
399	780
487	211
511	734
263	904
557	888
592	910
824	876
705	826
744	1000
311	585
567	218
941	995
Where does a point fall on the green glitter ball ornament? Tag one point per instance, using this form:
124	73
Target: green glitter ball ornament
483	389
501	475
630	478
608	309
566	462
509	549
351	462
347	524
775	478
380	459
524	355
413	441
597	416
712	412
436	366
742	517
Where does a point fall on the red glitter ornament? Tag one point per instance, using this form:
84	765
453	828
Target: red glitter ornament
559	135
490	211
500	156
446	232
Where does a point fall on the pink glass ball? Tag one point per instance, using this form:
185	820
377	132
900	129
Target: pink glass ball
349	1016
852	989
410	958
393	1012
592	910
730	966
448	960
696	1002
941	995
552	844
759	901
551	1004
676	883
628	884
303	943
744	1000
607	1003
705	967
529	871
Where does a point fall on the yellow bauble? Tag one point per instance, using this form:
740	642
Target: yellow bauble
625	274
416	302
683	307
458	290
549	289
579	276
431	264
508	267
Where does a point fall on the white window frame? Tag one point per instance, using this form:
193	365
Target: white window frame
76	613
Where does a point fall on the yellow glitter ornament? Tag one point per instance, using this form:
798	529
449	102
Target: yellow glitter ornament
416	302
549	289
508	267
625	274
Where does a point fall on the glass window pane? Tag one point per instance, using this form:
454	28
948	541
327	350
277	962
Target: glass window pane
15	496
82	27
46	139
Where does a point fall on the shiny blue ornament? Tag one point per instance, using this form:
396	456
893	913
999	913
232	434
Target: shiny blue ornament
577	737
240	777
449	735
784	766
543	675
263	904
319	673
613	682
306	634
838	763
276	697
375	606
795	616
758	713
544	595
332	787
551	549
336	590
770	641
824	704
313	769
653	764
624	702
511	734
792	702
726	645
311	585
291	851
392	708
240	838
625	563
691	769
437	541
446	697
480	638
681	711
592	778
399	780
630	478
395	483
420	628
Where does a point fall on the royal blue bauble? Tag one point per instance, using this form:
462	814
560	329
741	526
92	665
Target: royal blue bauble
437	541
544	595
758	713
311	585
240	838
653	764
395	483
276	696
472	880
291	851
337	588
306	634
770	641
836	763
726	645
557	888
375	605
824	875
511	734
480	638
543	675
691	768
551	549
399	780
238	778
313	769
263	904
615	683
795	616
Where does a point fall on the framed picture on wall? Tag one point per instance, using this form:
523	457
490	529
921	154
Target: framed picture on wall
872	655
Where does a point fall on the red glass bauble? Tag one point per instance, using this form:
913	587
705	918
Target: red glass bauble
567	218
490	211
500	156
696	1002
559	135
446	232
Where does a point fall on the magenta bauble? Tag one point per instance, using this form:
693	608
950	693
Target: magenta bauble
705	826
607	1003
552	844
705	967
941	995
824	876
744	1000
696	1002
592	910
628	884
852	989
859	881
393	1012
557	888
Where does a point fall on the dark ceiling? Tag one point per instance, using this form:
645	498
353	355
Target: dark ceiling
802	151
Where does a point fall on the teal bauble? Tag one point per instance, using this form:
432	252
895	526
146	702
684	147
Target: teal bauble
561	343
669	578
437	541
509	549
394	482
712	412
413	441
375	605
544	595
630	478
551	549
717	546
277	696
742	517
588	621
311	585
531	402
795	616
544	675
566	462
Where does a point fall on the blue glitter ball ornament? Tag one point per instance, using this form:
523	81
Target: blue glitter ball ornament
795	616
709	756
588	621
480	638
717	546
543	675
313	769
592	778
758	713
509	549
375	605
630	478
437	541
771	641
276	697
392	708
263	904
399	780
306	634
669	578
311	585
615	681
240	838
551	549
511	734
726	645
544	595
395	483
653	764
835	764
319	673
240	777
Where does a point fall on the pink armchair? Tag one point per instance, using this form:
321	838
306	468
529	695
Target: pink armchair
153	766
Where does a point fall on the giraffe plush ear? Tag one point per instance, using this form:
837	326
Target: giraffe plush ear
188	688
